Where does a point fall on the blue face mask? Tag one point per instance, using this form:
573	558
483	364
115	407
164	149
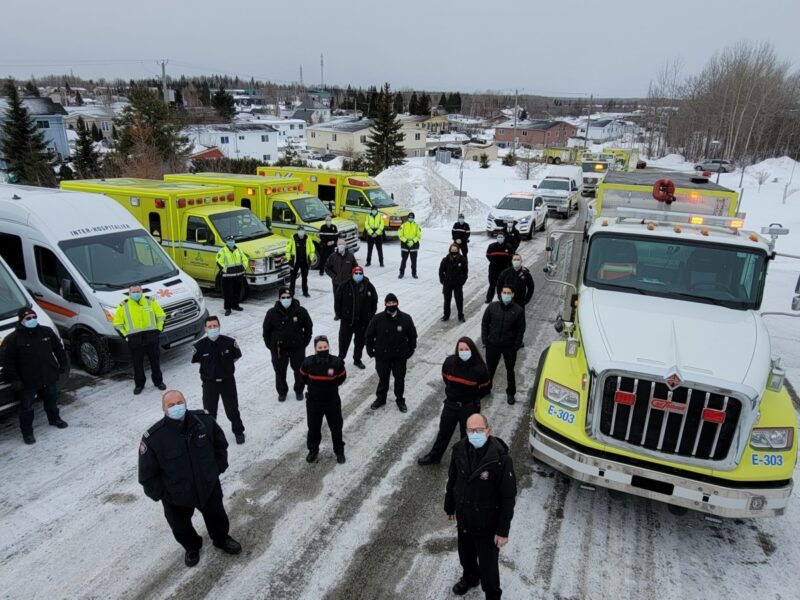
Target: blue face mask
506	298
410	220
286	302
461	221
230	244
31	323
136	296
212	333
465	355
500	239
358	277
477	439
176	412
301	234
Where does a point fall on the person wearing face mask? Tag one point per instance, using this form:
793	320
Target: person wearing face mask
340	265
287	331
32	358
180	460
499	256
355	303
466	381
519	279
373	228
300	253
216	355
461	234
323	375
513	237
502	330
409	233
480	496
232	263
139	319
453	272
328	234
391	339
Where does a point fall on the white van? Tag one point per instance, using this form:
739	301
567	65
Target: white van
77	254
13	297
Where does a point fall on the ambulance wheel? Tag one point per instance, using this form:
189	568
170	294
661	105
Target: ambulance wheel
93	353
544	223
556	161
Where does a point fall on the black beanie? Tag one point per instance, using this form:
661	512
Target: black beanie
391	298
284	289
23	312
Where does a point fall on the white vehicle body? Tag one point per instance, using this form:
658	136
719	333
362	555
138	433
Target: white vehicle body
79	253
526	209
594	168
561	189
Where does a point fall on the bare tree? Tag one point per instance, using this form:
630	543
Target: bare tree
761	177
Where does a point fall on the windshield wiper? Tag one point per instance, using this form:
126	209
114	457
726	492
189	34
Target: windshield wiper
713	301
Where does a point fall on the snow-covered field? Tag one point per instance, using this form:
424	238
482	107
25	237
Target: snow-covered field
75	523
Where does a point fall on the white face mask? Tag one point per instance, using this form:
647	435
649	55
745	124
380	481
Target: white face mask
341	248
517	264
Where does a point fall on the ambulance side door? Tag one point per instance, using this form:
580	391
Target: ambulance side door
200	245
356	207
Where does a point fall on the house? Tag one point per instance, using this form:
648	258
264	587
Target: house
434	125
602	130
322	97
312	112
98	115
534	134
474	149
49	119
348	137
251	140
289	130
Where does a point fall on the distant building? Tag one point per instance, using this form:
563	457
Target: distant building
99	115
474	149
434	125
533	134
312	113
251	140
289	130
603	130
348	137
322	97
49	119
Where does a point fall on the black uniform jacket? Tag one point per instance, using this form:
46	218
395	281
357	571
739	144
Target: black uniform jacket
503	325
339	267
356	302
180	461
453	270
481	487
328	234
287	328
216	358
323	374
465	381
388	338
499	256
461	232
520	281
32	357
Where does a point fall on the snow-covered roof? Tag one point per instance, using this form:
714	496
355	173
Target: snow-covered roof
37	107
344	125
258	127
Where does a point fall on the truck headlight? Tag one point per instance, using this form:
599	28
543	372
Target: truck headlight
772	439
108	311
258	266
490	217
523	220
559	394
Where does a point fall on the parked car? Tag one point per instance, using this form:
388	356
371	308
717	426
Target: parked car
640	164
715	165
327	157
528	210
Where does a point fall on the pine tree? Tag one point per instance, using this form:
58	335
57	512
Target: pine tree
31	89
204	93
361	102
398	103
413	104
443	101
87	160
223	104
523	116
78	99
424	106
384	147
455	100
372	103
97	136
332	103
178	97
25	153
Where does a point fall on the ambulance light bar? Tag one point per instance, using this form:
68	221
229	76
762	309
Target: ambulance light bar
666	216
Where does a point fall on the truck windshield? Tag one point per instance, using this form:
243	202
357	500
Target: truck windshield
718	274
379	198
242	224
516	203
594	167
116	260
310	209
554	184
11	296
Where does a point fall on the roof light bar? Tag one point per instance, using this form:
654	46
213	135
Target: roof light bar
667	216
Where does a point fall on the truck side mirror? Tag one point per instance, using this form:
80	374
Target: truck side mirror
552	254
392	195
797	287
201	235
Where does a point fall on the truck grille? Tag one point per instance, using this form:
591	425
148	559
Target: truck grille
502	223
180	313
554	201
351	238
688	422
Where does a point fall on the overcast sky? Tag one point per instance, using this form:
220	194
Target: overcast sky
606	48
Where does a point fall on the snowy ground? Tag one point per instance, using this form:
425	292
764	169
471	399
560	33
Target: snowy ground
75	523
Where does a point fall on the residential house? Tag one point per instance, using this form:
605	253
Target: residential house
251	140
348	137
475	148
434	125
289	130
99	115
534	134
322	97
312	112
49	119
603	130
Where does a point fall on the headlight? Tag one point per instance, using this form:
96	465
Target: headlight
558	394
523	220
490	217
772	439
258	266
108	311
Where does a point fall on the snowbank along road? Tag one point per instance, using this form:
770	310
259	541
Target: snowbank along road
76	524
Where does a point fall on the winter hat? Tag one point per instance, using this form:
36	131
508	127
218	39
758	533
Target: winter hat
284	289
391	298
358	269
411	214
24	312
461	216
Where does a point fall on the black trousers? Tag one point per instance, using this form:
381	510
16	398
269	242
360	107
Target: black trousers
180	521
395	367
281	359
324	253
212	390
458	294
464	247
478	555
509	354
153	352
404	253
231	291
492	291
376	241
346	332
452	414
302	267
49	395
332	411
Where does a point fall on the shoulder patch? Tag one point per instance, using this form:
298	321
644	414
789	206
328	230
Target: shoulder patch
142	447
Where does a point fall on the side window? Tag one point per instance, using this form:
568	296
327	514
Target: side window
49	269
246	203
154	221
281	213
11	251
355	198
192	225
537	203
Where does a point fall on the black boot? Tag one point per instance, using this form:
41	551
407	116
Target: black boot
229	546
58	422
191	558
428	459
312	456
463	586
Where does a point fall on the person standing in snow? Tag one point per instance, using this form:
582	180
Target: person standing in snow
517	278
499	256
340	265
355	304
453	272
461	234
328	234
410	233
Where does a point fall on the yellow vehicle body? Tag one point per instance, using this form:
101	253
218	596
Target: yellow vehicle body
349	195
625	158
558	156
187	219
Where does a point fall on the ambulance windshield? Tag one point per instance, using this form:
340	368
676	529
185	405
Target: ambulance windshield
310	209
379	198
242	224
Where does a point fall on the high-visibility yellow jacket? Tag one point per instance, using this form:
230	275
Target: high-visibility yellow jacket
410	233
291	249
136	317
232	262
374	225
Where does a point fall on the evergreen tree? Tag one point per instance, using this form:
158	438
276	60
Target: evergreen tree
361	102
178	97
372	102
413	104
443	101
523	116
78	99
204	93
222	103
97	136
384	147
31	89
27	157
398	103
424	106
65	173
87	160
332	104
455	100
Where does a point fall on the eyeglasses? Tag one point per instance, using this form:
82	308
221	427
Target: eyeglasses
476	430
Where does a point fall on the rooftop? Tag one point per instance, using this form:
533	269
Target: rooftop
262	127
345	126
36	106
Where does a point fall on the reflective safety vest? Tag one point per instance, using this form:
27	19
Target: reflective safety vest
374	224
232	262
136	317
409	232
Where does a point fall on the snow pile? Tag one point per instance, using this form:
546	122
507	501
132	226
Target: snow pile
671	161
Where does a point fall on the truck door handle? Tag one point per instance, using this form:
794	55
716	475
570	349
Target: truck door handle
37	295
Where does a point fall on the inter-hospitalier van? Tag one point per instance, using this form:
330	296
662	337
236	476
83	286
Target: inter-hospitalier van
77	254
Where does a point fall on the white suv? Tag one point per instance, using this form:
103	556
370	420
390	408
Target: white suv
525	209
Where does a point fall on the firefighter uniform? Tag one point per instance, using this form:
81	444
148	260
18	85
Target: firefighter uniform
453	273
328	234
300	253
461	233
410	233
216	359
323	374
141	323
499	256
373	227
233	264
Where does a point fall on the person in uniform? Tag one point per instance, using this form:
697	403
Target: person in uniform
513	237
410	233
287	331
216	355
328	234
466	381
323	374
32	358
233	264
519	279
502	331
480	496
373	229
499	256
300	253
355	304
461	234
453	272
180	460
139	319
391	339
340	265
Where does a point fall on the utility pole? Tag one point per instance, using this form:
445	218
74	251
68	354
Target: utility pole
164	81
588	121
301	75
322	70
514	141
